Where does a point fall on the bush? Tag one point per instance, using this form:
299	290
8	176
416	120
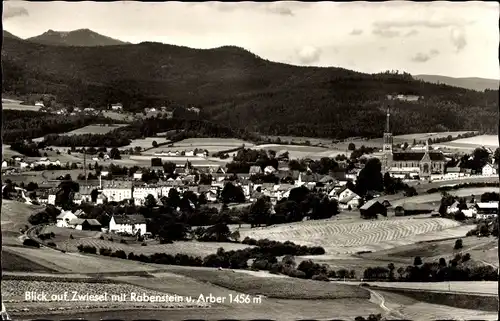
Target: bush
101	237
110	239
105	252
119	254
30	242
52	244
144	244
458	244
298	274
71	236
320	277
123	241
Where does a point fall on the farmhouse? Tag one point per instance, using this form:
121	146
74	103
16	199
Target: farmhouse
489	170
85	224
372	208
424	163
412	209
350	202
63	219
489	208
255	170
130	224
116	107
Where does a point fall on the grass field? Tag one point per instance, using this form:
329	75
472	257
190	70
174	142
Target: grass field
14	262
471	143
94	129
15	215
279	288
300	151
480	287
213	145
16	105
413	309
436	197
144	143
185	247
350	237
63	234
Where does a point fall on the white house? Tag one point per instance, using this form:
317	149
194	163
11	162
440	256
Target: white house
269	170
453	208
349	202
131	224
116	107
65	218
138	175
488	170
23	165
39	103
189	153
341	192
117	191
51	199
5	164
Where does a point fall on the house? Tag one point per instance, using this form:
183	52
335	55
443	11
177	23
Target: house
189	153
85	224
131	224
138	175
116	107
5	164
488	170
372	208
39	103
101	199
340	192
453	208
350	202
269	170
413	209
489	208
63	219
255	170
386	203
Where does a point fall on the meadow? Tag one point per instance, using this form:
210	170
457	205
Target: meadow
436	197
301	151
212	145
16	105
479	287
15	216
471	143
94	129
349	237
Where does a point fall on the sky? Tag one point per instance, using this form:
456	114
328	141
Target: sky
439	38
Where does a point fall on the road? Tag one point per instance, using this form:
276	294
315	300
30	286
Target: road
380	300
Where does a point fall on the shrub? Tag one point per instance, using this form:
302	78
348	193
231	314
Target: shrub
105	252
119	254
144	244
52	244
30	242
298	274
110	239
320	277
123	241
71	236
458	244
101	237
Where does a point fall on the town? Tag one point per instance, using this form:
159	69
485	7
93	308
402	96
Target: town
282	160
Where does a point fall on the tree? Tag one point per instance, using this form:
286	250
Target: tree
391	268
351	147
114	153
260	211
150	201
370	177
417	260
169	167
155	143
458	244
496	155
232	194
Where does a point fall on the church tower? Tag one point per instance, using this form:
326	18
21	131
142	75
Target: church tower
387	147
387	135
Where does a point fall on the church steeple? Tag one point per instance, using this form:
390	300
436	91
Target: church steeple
387	148
387	126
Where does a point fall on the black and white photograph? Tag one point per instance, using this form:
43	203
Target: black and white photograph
278	160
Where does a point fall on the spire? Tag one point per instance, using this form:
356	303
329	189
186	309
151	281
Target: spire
387	126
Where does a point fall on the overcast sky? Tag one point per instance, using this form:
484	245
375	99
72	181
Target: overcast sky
440	38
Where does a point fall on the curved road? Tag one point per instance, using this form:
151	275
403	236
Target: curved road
380	300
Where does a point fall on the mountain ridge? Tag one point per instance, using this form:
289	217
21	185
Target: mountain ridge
473	83
237	88
79	38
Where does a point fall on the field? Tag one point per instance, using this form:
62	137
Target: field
13	262
16	105
480	287
413	309
15	216
350	237
94	129
274	287
144	143
300	151
436	197
185	247
9	153
213	145
471	143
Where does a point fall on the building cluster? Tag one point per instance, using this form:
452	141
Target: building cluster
473	209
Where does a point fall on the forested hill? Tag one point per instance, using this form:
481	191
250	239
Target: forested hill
78	38
237	88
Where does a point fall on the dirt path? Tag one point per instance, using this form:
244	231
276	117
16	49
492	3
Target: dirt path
379	299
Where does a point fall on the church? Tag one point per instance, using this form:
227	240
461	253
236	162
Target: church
410	163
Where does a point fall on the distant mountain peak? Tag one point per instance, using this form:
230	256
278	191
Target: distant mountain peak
78	38
7	34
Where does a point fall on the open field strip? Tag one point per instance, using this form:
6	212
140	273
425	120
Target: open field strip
16	105
436	197
185	247
78	263
349	237
413	309
143	142
476	141
476	287
94	129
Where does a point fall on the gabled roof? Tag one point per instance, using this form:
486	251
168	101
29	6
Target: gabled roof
255	170
93	221
349	198
369	204
416	207
489	205
130	219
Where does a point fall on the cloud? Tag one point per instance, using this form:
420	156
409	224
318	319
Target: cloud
423	57
12	12
411	33
386	33
458	38
309	54
282	8
279	9
356	32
